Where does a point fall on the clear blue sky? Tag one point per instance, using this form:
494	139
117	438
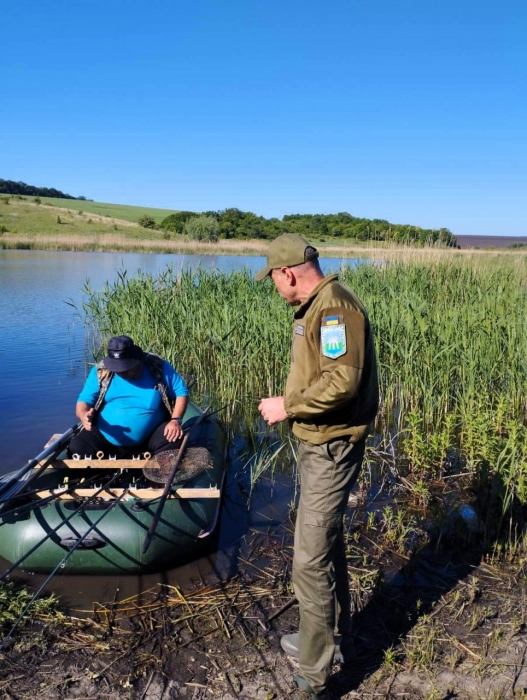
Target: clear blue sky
410	110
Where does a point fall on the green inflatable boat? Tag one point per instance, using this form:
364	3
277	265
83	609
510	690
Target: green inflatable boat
99	516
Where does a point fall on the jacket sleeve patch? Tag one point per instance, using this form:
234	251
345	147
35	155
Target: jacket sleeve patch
333	341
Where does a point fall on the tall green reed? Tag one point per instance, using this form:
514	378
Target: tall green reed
451	339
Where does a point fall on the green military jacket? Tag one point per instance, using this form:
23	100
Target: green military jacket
332	389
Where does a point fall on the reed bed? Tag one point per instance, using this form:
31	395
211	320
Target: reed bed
451	334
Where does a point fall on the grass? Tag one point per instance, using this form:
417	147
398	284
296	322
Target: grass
13	600
122	212
25	217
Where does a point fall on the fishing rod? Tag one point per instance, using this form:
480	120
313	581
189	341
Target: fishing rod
157	516
55	446
62	563
57	527
44	501
26	494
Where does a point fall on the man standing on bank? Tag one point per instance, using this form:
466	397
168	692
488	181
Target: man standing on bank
331	399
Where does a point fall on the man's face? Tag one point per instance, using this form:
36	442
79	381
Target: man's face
282	281
133	373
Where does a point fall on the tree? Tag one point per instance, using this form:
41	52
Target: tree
202	228
146	221
176	222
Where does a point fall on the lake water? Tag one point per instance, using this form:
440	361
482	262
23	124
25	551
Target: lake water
43	361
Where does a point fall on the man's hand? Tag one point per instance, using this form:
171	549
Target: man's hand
272	410
87	418
173	431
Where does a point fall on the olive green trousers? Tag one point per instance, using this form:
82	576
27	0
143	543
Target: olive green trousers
320	575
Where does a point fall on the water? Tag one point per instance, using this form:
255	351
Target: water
43	360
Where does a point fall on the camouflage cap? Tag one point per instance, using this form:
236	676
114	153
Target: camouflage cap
287	250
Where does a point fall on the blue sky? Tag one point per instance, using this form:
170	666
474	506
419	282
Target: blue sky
413	111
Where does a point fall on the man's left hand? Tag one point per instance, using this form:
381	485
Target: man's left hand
173	431
272	410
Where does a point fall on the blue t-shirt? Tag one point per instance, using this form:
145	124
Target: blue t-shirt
132	408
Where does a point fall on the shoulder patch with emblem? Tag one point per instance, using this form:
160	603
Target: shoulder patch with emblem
333	339
299	330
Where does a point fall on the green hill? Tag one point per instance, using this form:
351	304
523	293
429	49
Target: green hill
47	217
113	211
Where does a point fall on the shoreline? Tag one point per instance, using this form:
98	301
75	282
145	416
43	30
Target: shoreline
114	243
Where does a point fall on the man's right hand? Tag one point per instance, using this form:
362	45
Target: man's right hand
86	419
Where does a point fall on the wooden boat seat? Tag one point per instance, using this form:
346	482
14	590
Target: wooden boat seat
118	464
97	462
113	464
143	494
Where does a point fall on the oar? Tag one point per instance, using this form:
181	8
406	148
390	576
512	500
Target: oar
20	486
49	451
157	516
62	562
56	528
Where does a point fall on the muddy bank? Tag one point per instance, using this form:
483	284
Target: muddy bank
435	617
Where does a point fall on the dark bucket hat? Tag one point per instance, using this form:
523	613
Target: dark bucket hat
123	354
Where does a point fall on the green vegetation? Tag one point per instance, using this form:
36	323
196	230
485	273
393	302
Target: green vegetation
13	601
111	211
451	337
32	216
40	226
20	188
146	221
202	228
176	222
32	225
233	223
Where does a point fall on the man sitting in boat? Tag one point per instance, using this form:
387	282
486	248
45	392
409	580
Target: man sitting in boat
133	402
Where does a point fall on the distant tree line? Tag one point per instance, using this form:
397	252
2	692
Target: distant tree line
233	223
12	187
